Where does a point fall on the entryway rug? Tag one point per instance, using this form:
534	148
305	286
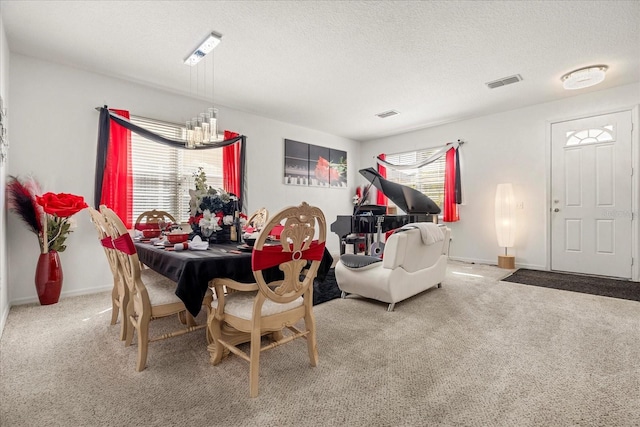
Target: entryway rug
613	288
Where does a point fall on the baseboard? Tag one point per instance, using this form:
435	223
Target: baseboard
3	319
495	262
67	294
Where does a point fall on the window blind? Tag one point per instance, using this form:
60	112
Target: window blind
163	175
428	179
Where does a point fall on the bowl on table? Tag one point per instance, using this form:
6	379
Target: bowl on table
250	238
177	237
150	233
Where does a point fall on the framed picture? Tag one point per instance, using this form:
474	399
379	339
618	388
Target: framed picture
319	167
338	175
313	165
296	162
4	143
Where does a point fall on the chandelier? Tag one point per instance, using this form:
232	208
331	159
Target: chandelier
203	128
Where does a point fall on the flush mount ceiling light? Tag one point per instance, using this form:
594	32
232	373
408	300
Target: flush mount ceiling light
584	77
205	47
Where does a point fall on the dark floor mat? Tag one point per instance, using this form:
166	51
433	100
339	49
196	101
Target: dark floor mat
603	286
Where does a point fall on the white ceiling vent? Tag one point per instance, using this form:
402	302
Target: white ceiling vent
386	114
504	81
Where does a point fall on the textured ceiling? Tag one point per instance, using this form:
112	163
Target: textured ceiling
332	65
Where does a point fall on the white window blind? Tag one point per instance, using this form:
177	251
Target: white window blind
163	175
428	179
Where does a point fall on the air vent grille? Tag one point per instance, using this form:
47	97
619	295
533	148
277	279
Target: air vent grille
504	81
386	114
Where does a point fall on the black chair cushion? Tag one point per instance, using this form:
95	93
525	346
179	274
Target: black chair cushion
358	261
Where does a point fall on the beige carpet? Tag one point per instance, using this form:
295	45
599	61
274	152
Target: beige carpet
477	352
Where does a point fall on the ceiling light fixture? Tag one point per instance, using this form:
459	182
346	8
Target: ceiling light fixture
203	129
205	47
584	77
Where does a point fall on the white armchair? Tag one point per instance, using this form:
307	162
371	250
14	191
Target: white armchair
414	260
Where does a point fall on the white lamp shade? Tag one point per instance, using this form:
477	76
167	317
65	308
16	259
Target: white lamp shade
505	215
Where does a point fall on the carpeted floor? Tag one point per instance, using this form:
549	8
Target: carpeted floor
594	285
477	352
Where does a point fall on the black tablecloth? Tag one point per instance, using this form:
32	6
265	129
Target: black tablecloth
192	270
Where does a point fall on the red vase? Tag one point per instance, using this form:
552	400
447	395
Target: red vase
49	278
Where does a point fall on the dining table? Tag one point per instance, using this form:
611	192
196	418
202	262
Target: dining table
192	270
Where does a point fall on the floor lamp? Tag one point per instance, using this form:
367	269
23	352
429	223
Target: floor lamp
505	223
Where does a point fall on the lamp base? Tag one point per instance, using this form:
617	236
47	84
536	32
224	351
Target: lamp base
507	261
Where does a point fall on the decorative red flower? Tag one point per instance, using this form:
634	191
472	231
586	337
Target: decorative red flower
50	212
219	217
62	205
195	219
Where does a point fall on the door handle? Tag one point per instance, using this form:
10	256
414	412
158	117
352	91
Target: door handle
556	210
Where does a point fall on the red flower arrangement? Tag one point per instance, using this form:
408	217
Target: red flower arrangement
48	214
62	205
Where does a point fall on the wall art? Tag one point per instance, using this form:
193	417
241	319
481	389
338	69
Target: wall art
314	166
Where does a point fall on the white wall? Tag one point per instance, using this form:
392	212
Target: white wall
4	92
507	147
54	133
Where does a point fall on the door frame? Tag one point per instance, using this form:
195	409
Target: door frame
635	181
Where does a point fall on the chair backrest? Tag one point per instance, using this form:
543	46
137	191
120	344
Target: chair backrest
101	227
128	261
302	241
407	250
258	219
153	218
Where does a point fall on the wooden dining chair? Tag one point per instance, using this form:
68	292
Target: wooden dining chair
154	218
147	300
119	292
265	307
258	219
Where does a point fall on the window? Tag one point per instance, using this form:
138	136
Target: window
163	175
429	179
590	136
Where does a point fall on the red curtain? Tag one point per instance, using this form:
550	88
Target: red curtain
381	198
117	183
450	206
231	168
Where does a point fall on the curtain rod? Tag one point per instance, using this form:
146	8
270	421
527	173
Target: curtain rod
176	143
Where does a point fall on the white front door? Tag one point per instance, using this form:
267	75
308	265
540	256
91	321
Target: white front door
591	195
